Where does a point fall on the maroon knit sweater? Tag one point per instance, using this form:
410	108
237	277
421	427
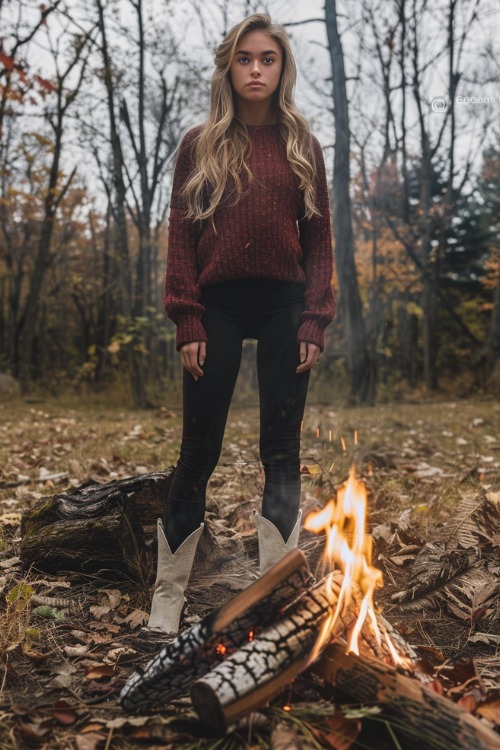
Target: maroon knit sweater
263	236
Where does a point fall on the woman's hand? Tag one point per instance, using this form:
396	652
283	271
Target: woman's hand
193	357
309	356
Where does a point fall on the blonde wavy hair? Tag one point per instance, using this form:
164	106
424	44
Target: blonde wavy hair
222	146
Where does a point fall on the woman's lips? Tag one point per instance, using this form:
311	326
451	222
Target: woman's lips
255	84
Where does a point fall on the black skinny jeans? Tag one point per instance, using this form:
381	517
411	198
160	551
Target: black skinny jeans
269	311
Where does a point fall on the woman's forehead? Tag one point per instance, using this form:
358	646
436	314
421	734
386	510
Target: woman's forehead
257	42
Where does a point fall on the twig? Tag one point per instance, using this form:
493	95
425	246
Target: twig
108	741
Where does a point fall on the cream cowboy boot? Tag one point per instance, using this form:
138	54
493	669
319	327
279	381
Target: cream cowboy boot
172	576
272	546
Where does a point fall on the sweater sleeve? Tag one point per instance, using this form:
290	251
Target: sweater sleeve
316	243
182	294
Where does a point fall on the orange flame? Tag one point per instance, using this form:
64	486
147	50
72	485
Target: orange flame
349	548
221	649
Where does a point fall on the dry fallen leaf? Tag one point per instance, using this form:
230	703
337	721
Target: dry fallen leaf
120	654
136	618
100	611
100	672
114	597
78	650
10	520
132	721
311	469
64	713
59	681
467	702
341	733
33	734
89	741
490	711
92	726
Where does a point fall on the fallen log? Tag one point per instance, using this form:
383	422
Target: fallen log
423	718
195	651
96	528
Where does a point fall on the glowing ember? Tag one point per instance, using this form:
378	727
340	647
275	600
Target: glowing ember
250	636
221	649
349	548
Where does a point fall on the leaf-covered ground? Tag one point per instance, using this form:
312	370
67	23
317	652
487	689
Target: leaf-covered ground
68	644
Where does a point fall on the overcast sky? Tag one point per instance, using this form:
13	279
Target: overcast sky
308	42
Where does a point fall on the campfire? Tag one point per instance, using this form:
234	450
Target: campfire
240	656
244	654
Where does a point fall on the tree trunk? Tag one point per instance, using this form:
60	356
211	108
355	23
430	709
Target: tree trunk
490	356
125	274
42	261
430	328
362	383
407	333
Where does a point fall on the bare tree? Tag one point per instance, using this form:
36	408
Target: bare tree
350	301
65	96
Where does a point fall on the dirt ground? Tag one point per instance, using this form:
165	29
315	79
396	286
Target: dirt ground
62	667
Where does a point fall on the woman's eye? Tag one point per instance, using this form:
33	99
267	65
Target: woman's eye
268	60
243	59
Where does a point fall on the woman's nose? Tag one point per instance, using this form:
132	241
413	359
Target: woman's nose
256	68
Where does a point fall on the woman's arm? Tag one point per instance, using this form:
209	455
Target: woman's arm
316	242
182	294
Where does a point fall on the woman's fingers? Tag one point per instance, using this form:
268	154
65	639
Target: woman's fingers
303	351
309	356
193	356
202	354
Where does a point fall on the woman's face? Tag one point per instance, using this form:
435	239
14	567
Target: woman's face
256	67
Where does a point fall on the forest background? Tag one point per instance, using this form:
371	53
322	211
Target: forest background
405	98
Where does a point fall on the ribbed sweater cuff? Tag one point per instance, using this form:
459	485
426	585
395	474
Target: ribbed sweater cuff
313	332
189	328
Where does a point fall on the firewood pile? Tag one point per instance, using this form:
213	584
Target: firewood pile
244	654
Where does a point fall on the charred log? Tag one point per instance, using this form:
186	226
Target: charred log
256	673
196	651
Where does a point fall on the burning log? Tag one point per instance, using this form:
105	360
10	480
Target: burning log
95	527
259	671
194	652
424	718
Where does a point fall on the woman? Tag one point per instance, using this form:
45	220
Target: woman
249	256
